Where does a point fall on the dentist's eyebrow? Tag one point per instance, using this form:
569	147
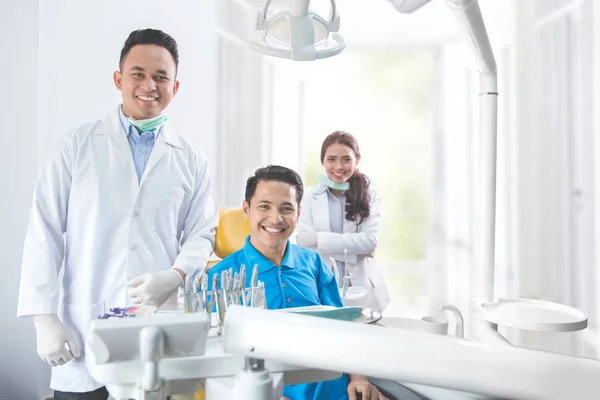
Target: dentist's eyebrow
136	68
162	71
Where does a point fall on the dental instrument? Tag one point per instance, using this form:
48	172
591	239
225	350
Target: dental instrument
334	269
204	293
346	282
253	280
243	284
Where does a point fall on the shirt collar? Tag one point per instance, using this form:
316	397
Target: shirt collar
129	128
253	256
341	197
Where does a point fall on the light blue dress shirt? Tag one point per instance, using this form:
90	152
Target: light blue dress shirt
141	144
303	279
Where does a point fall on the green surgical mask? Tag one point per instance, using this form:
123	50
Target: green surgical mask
330	184
148	125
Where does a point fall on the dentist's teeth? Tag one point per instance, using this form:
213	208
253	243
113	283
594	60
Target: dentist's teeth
147	98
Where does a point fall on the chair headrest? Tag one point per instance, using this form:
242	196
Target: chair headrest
231	232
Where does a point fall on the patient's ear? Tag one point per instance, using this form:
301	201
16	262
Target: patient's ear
246	207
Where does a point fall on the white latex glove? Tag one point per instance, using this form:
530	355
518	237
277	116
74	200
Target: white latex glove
52	335
308	239
154	288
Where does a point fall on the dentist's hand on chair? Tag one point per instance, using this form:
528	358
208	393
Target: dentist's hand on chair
154	288
52	336
360	384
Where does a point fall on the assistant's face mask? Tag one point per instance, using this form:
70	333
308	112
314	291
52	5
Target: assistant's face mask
324	179
148	125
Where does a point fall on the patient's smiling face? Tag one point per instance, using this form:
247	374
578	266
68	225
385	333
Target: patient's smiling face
273	213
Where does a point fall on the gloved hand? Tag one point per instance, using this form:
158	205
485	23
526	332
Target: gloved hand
154	288
52	335
308	239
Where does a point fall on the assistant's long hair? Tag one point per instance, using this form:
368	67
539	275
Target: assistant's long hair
358	198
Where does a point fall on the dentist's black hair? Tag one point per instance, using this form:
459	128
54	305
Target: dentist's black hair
275	173
150	36
358	199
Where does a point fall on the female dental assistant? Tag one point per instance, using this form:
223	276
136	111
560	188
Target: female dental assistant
340	218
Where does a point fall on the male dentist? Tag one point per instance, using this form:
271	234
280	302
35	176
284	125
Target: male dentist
124	207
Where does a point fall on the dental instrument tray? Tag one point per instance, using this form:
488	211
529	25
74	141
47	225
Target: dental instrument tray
534	315
186	335
360	315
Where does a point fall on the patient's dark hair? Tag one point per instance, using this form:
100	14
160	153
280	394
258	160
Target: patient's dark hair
274	173
150	36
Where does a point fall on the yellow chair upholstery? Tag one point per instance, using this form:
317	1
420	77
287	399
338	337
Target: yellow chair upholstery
231	231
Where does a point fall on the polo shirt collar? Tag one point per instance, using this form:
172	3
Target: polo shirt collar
253	257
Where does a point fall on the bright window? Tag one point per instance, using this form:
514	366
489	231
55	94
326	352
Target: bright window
384	98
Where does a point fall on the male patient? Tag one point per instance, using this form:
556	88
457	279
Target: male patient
293	276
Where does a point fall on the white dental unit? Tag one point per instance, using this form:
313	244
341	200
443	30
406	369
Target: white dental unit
244	352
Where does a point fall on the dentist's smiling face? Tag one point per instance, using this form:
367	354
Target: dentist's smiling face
147	81
340	162
273	213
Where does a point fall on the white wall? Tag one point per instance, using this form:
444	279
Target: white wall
20	369
79	50
57	60
551	66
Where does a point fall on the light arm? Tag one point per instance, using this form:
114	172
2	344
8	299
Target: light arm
470	21
469	18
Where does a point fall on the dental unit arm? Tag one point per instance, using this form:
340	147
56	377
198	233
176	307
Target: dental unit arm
176	352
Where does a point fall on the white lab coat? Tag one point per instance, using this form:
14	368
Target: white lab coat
360	241
89	210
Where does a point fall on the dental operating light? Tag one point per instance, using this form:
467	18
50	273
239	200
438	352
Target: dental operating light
298	33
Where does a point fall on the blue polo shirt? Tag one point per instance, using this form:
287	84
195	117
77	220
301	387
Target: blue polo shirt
303	279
